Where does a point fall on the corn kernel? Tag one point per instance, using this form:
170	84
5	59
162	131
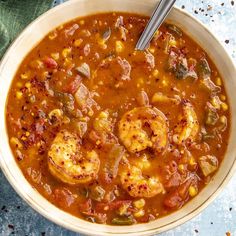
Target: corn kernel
223	120
139	203
36	64
222	97
27	134
215	101
224	106
15	141
19	94
155	73
119	46
81	22
55	56
139	213
90	113
172	42
181	167
25	75
28	85
152	50
218	81
78	42
23	138
81	57
192	191
65	52
67	62
103	114
164	82
98	142
19	84
123	210
192	161
53	35
103	46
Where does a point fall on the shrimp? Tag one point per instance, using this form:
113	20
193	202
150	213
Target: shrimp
144	127
67	164
188	126
137	185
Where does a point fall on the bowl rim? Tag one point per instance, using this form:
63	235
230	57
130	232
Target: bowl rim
42	211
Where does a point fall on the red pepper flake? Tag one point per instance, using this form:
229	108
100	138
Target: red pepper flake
73	86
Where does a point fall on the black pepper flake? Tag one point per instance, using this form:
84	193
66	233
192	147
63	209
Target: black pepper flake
18	207
231	208
226	41
43	234
11	226
183	7
232	3
196	12
196	231
211	223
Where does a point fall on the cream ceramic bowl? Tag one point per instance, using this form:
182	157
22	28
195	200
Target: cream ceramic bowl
76	8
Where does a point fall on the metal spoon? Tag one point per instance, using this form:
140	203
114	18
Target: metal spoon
158	16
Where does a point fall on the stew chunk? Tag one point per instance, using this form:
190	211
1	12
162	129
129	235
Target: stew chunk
208	164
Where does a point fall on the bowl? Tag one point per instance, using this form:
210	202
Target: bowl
76	8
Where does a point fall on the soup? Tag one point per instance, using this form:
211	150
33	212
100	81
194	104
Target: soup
113	135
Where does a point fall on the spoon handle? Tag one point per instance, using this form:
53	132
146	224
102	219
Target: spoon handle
158	16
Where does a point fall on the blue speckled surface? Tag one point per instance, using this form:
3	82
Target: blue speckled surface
16	217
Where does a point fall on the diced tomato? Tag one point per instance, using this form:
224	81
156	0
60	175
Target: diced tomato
146	218
173	200
180	195
86	206
50	63
73	85
63	197
174	181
